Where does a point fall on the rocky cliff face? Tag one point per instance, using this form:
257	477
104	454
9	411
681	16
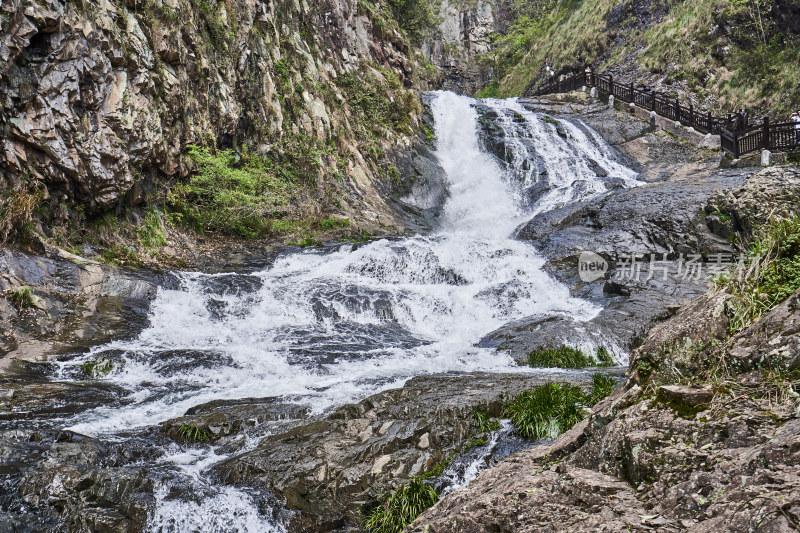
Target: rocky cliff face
461	35
99	98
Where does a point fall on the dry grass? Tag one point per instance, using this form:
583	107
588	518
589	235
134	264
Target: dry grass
16	213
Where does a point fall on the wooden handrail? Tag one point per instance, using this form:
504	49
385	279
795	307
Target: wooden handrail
739	134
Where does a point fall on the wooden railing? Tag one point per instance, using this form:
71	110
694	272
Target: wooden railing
738	135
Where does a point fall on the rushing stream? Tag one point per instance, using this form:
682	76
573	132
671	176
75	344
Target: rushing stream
330	325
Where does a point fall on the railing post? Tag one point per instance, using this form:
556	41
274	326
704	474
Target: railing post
736	145
691	114
677	109
765	135
710	126
611	84
653	99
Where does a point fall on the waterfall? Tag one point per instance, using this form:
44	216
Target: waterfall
330	325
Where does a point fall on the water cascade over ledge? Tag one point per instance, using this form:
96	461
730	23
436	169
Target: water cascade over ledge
326	326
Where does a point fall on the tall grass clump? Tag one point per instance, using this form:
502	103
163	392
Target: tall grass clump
401	507
769	276
16	213
568	357
563	357
549	410
546	411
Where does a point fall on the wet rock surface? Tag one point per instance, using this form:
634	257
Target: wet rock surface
661	225
62	481
329	469
645	235
324	470
463	33
703	436
99	100
81	303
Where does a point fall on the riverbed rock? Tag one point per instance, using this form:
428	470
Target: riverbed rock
228	418
689	455
771	192
62	481
85	302
329	469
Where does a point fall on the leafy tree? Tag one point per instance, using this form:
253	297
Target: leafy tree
413	16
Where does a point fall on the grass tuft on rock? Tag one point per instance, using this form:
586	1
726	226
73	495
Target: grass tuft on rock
401	507
99	368
484	422
769	276
23	298
547	411
191	433
563	357
602	385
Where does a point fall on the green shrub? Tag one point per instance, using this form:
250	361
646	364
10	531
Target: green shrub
563	357
99	368
401	507
120	254
23	298
413	16
231	193
333	223
152	233
191	433
490	91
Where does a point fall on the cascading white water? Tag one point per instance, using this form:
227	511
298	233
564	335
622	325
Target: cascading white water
329	326
568	159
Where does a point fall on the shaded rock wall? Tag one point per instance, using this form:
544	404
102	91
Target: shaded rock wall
461	35
98	95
